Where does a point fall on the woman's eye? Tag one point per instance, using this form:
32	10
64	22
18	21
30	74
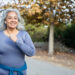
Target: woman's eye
9	18
15	18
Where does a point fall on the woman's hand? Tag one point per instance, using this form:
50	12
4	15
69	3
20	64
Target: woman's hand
13	37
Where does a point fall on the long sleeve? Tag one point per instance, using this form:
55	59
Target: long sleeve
25	44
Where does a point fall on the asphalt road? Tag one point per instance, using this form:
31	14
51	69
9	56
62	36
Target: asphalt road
39	67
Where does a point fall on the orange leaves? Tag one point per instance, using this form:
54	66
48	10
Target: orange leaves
56	23
31	12
35	8
39	17
22	11
47	14
46	22
38	11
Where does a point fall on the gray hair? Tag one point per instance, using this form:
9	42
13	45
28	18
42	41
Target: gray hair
20	25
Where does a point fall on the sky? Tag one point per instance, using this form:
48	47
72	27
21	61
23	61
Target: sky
3	2
10	1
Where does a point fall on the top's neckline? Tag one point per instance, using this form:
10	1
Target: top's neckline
8	36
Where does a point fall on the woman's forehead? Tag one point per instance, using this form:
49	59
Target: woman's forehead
12	13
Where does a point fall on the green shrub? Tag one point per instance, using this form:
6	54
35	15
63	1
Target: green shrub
66	35
58	33
37	32
69	36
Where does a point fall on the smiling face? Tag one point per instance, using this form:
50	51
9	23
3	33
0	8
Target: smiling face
11	20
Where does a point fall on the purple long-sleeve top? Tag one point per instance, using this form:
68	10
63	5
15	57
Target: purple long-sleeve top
13	53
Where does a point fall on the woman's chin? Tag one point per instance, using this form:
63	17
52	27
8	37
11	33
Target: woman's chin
12	27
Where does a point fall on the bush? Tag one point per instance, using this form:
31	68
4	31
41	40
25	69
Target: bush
58	33
66	35
69	36
37	32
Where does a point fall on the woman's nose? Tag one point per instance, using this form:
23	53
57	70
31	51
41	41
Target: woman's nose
12	19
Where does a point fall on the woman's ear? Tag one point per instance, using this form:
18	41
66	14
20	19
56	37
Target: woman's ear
5	22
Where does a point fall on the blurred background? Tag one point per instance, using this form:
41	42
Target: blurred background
51	25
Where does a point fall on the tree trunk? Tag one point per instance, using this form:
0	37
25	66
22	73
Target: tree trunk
51	40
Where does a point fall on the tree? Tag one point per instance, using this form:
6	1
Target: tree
51	13
38	13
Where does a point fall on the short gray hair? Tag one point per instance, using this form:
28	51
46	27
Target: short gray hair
20	19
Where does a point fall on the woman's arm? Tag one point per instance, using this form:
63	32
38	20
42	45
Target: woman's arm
26	44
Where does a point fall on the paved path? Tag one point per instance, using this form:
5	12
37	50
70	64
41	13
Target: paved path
39	67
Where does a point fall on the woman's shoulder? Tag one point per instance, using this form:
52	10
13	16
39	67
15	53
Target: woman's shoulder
24	32
1	31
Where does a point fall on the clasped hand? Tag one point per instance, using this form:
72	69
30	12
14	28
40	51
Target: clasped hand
13	37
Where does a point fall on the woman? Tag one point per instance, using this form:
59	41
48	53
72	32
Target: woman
15	43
